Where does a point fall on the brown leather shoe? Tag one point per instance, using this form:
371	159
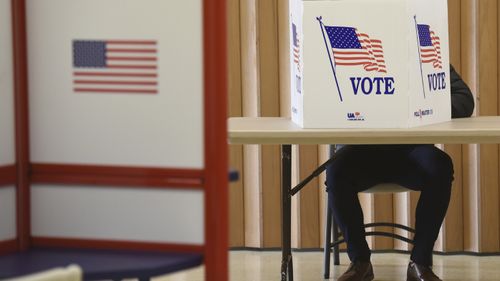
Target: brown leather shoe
420	273
358	271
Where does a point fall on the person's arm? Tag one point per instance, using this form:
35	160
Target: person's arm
462	101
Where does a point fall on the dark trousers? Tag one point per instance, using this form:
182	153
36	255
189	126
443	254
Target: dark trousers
417	167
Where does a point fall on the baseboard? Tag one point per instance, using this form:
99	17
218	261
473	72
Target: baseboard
439	253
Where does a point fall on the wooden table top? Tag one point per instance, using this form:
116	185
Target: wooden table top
277	130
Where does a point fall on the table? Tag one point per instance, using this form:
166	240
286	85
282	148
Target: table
282	131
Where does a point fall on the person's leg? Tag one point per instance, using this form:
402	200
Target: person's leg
429	170
356	168
437	168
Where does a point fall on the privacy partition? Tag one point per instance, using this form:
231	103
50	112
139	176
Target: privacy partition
7	146
121	127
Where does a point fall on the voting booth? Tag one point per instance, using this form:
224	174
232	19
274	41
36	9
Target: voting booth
369	63
113	132
7	133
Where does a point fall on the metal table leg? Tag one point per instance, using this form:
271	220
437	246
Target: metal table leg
286	213
286	201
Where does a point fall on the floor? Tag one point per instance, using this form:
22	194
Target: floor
308	266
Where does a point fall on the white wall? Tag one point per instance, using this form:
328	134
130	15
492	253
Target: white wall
146	215
164	129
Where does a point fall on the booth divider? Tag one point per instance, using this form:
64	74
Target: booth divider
212	180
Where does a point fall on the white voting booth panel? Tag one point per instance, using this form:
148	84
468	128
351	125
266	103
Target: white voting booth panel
116	84
369	63
162	128
147	215
7	146
7	143
120	133
7	213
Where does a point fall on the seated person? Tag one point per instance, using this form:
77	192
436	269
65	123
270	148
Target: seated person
421	167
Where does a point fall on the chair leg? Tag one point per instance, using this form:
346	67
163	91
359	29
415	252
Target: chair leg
328	239
336	250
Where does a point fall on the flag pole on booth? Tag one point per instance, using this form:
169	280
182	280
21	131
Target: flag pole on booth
419	54
329	57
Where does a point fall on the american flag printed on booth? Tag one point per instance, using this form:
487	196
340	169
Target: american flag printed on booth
353	48
296	47
115	66
430	46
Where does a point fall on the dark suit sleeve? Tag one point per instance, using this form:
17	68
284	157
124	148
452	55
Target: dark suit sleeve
462	101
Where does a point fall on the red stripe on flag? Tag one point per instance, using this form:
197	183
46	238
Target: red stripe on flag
131	50
113	82
349	58
97	90
353	63
131	58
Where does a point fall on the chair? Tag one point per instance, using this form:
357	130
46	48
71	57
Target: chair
331	225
